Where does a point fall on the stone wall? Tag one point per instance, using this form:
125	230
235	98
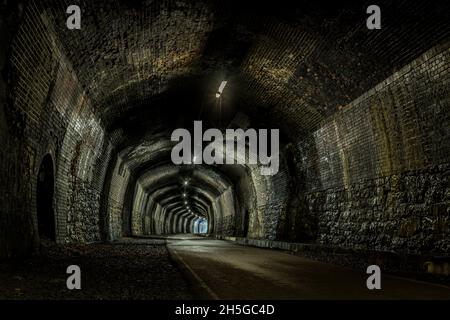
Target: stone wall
45	111
137	214
115	200
376	174
276	203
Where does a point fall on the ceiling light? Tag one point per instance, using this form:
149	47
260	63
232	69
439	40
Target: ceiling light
222	86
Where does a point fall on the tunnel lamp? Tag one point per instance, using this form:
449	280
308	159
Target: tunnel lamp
185	182
184	195
222	86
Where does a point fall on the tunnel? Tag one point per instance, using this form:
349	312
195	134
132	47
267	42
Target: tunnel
344	162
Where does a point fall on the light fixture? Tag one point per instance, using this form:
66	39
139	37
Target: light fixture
185	182
222	86
184	195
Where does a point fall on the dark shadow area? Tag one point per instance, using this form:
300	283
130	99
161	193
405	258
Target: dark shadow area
44	200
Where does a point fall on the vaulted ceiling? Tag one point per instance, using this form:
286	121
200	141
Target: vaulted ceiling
299	62
149	67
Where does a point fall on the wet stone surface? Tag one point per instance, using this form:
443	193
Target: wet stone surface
108	271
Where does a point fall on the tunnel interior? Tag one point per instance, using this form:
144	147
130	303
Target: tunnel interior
363	119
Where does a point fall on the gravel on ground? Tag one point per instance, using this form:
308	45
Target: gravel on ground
133	270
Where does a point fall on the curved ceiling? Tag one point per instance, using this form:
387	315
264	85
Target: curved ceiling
149	67
185	191
299	62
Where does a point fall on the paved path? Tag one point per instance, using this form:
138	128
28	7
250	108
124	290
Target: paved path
230	271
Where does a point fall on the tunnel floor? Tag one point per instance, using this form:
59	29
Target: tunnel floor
229	271
191	267
131	270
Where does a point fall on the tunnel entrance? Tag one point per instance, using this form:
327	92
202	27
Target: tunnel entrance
44	199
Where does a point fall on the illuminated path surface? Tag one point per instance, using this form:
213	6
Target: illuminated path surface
228	271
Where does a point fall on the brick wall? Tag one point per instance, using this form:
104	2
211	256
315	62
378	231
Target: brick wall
115	200
376	174
47	112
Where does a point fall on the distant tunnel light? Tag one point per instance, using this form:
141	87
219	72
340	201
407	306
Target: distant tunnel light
200	225
222	86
